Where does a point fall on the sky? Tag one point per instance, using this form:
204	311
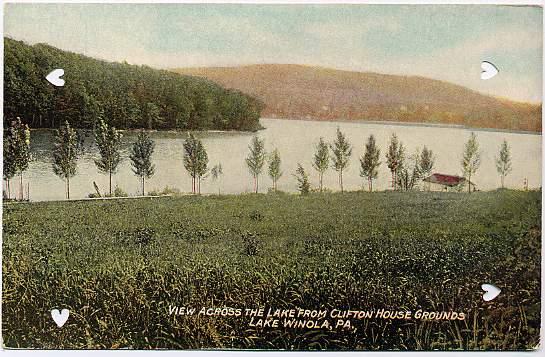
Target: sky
446	42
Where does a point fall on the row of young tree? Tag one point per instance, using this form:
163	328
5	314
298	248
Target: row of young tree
123	95
406	170
68	147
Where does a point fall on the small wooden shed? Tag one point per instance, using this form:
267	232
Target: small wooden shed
447	181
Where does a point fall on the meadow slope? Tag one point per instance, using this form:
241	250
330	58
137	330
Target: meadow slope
119	265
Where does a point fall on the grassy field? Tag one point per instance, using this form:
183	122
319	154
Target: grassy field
118	265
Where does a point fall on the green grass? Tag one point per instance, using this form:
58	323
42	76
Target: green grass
118	265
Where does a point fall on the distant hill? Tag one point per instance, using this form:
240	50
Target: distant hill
124	95
304	92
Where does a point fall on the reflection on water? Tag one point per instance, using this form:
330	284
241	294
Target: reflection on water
296	142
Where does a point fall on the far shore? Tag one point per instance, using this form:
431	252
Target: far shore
420	124
353	121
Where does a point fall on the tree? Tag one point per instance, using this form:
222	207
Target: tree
217	172
394	158
132	113
108	140
471	159
129	96
274	167
140	156
202	166
409	172
503	162
91	111
190	159
18	141
321	160
427	161
370	162
256	159
342	150
68	146
9	169
195	161
153	116
303	184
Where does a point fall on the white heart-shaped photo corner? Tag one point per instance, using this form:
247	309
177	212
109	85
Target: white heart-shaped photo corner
491	292
54	77
60	317
489	70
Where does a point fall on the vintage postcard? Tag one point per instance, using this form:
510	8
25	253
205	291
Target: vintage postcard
271	176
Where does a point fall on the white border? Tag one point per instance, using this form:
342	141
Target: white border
333	2
232	353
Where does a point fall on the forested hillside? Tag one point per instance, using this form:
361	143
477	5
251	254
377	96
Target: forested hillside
126	96
305	92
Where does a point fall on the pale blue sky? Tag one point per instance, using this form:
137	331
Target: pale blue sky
437	41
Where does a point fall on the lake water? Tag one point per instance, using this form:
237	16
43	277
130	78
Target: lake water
296	142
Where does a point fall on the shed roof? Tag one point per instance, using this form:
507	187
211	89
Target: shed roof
446	180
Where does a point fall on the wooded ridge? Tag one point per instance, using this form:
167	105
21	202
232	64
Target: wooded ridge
124	95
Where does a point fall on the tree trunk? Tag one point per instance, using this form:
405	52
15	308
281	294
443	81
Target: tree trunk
502	179
341	180
21	197
469	184
370	185
68	187
143	186
9	189
256	184
110	183
321	181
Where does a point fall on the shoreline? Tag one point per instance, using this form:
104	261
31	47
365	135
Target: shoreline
417	124
261	194
352	121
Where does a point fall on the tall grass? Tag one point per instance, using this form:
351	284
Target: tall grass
118	265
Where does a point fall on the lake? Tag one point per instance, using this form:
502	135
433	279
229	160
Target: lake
296	141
